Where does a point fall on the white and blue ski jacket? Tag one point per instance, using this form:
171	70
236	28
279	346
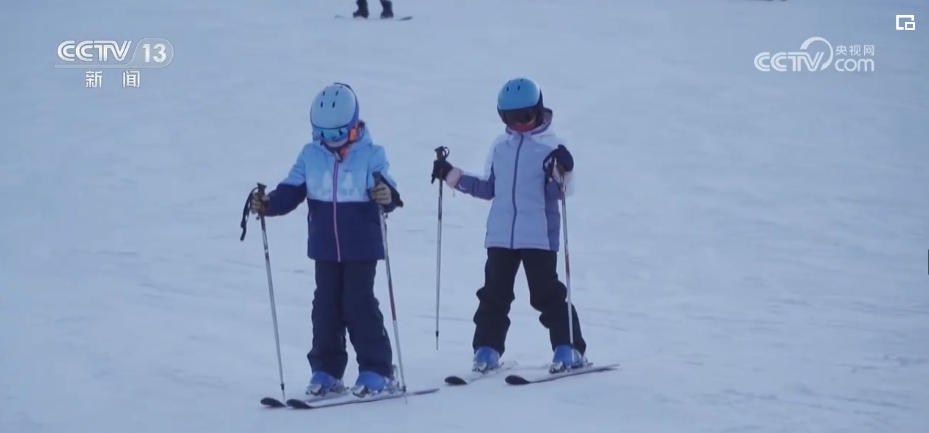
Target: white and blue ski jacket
524	212
344	222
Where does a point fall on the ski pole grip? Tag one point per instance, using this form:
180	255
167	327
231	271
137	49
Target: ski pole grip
261	189
377	177
441	152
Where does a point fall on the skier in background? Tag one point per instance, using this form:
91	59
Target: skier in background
387	9
335	175
525	171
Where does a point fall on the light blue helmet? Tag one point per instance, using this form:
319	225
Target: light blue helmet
519	93
519	102
334	114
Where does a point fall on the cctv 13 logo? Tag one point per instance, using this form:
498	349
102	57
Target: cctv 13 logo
147	53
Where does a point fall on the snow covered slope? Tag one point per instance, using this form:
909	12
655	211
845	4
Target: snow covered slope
752	246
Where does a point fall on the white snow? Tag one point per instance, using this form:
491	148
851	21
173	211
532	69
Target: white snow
751	246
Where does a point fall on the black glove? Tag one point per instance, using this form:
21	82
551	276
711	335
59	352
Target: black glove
560	158
440	169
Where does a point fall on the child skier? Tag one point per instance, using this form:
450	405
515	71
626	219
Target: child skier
525	171
335	174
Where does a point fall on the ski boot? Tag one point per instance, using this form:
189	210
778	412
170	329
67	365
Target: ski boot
362	11
485	360
387	9
323	383
370	383
567	358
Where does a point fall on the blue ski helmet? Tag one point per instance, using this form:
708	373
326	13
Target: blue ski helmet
334	115
519	99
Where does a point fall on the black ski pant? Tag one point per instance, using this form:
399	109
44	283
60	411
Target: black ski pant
363	4
344	301
546	294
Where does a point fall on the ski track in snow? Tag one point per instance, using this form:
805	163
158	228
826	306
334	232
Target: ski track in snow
750	246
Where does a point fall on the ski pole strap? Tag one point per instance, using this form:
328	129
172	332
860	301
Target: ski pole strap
260	189
548	165
441	152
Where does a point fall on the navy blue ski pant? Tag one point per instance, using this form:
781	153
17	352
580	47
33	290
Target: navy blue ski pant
344	301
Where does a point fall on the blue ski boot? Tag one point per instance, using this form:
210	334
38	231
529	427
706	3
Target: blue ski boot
370	383
485	359
567	358
323	383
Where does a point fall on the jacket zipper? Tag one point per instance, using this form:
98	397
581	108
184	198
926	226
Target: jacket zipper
335	206
519	147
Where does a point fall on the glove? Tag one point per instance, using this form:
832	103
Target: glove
559	159
440	169
257	203
382	194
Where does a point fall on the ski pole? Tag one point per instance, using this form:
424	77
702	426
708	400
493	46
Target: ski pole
549	166
441	153
390	287
260	189
567	258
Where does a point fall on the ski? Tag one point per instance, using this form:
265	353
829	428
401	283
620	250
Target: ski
515	379
351	399
298	403
474	376
403	18
275	403
272	402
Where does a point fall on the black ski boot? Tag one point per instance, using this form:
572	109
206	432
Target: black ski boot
362	11
387	9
